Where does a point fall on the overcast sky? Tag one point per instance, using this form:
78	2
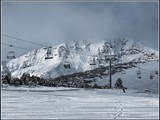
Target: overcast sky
53	23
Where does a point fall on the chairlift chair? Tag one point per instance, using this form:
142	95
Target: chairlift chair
139	77
67	65
49	53
48	57
156	72
100	61
123	72
11	55
103	50
151	76
93	62
139	74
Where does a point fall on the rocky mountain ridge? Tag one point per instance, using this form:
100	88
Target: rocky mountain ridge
80	55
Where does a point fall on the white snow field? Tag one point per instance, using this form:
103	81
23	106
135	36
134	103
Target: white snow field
75	103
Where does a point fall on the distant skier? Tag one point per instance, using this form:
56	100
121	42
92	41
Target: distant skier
123	88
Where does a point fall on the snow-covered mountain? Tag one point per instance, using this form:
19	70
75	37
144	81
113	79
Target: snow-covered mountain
79	55
4	70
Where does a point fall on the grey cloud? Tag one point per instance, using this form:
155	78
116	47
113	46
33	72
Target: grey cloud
52	23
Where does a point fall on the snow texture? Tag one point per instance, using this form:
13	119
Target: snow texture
69	103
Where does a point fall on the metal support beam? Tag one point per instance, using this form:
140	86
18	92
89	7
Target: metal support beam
110	57
110	75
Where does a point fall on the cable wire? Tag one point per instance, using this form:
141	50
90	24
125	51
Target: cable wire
146	70
16	46
23	40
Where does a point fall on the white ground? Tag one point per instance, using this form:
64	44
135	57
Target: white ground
69	103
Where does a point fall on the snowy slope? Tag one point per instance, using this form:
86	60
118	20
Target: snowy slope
67	103
79	55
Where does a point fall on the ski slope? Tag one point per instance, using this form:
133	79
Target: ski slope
75	103
69	103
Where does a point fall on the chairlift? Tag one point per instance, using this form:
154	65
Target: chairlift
139	74
156	72
103	50
100	61
139	77
11	54
151	76
93	62
49	53
67	65
123	72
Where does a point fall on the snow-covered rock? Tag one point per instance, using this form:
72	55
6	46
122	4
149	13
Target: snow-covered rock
79	55
5	72
4	69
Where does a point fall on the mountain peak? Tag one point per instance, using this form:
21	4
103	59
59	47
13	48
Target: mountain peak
79	55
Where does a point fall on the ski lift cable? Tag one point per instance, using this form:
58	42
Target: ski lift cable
145	69
16	46
22	40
